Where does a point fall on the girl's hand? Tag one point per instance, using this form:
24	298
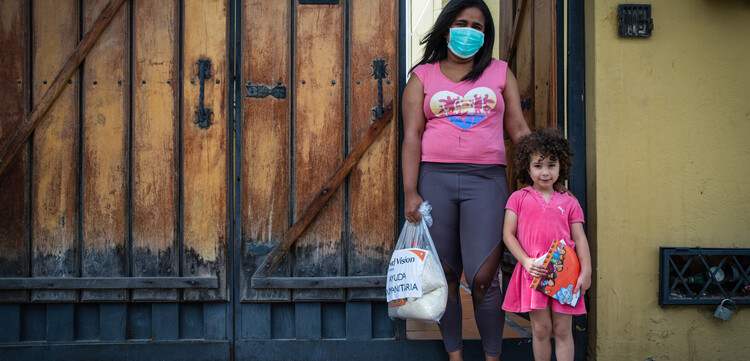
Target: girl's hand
583	284
533	268
412	201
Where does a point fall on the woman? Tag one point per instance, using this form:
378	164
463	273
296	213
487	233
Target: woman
455	107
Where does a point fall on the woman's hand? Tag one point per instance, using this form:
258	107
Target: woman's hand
533	268
412	201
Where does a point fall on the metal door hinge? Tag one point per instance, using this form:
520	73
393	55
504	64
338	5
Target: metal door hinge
262	91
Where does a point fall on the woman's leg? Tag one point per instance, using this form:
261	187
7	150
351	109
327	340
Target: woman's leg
562	329
482	206
451	324
439	189
487	299
541	330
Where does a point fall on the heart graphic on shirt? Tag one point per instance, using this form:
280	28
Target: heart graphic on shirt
464	111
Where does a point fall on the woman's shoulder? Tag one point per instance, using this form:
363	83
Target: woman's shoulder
424	67
424	71
498	62
496	72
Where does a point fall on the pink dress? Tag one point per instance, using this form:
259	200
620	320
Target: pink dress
540	222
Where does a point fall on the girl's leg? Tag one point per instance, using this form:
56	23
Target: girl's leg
541	330
562	329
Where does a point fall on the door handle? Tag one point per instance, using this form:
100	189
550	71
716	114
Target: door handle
379	71
204	113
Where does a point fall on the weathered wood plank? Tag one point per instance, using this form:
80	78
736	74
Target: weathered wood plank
55	159
373	181
266	131
319	136
513	42
165	321
256	321
358	321
14	182
60	318
87	322
70	66
106	283
10	318
523	68
324	194
105	151
191	321
307	321
13	36
382	325
505	28
334	320
282	320
205	147
215	320
321	282
155	132
113	321
33	322
545	64
139	321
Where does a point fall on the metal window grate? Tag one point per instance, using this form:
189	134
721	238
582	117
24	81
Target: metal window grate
635	20
703	276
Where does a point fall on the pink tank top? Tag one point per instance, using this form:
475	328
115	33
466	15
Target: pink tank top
464	120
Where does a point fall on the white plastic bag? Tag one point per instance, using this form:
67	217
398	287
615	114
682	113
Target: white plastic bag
416	287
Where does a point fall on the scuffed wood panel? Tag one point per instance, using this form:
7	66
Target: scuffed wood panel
14	182
155	132
55	160
545	64
319	132
505	27
105	151
205	174
524	72
373	181
265	142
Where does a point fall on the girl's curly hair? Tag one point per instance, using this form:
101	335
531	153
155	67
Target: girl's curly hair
547	142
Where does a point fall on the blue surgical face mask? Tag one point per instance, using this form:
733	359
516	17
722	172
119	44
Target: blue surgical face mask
465	42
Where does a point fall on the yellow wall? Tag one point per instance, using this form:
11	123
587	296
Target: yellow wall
668	156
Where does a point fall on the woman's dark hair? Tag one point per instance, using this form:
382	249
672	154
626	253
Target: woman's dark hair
436	48
547	142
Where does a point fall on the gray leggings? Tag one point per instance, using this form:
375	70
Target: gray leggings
468	206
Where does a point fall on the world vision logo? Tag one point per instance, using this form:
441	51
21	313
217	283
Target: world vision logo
419	253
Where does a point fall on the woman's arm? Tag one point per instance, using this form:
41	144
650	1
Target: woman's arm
411	150
514	246
584	257
514	122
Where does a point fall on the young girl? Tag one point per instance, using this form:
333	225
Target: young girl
534	217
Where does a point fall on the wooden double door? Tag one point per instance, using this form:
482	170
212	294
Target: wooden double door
192	137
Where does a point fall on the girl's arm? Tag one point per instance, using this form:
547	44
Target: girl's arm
514	246
411	150
515	124
584	257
